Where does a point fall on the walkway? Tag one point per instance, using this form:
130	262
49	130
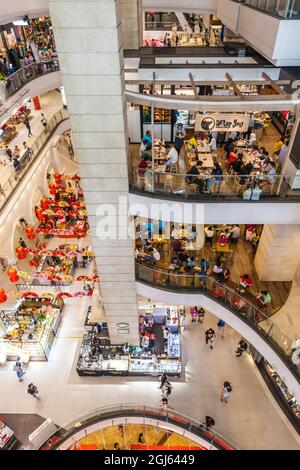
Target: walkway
51	103
249	420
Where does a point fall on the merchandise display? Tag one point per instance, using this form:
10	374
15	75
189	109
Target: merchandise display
7	437
30	328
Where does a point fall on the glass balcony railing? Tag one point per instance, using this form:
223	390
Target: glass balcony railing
229	295
111	413
17	80
205	187
287	9
9	186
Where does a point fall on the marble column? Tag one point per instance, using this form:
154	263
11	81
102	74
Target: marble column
89	42
132	23
278	254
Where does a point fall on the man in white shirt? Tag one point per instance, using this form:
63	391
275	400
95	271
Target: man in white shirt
172	156
252	140
156	254
213	144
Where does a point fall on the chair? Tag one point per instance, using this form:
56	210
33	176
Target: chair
173	168
168	183
192	189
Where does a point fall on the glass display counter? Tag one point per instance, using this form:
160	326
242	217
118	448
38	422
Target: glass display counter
30	329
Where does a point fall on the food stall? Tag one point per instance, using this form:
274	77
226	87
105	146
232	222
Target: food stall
30	328
8	440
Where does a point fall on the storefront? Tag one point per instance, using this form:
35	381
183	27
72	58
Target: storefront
28	331
159	350
24	42
8	440
251	125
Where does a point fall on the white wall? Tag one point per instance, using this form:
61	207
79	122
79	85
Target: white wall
186	6
287	49
14	9
215	213
172	298
228	12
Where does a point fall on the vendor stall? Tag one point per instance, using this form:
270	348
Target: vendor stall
30	328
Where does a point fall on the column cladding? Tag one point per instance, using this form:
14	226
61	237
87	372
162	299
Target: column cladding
89	43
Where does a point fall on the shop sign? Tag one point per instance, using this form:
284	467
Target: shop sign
222	122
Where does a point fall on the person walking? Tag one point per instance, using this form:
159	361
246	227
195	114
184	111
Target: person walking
241	348
163	379
201	314
221	327
210	337
20	373
209	422
226	392
164	402
194	313
167	389
28	127
32	390
183	322
9	153
44	122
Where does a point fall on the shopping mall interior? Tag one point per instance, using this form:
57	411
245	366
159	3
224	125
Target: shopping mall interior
150	225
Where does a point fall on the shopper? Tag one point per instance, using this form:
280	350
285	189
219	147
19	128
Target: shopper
194	313
245	281
32	390
226	392
20	373
163	379
172	157
235	233
166	390
209	234
117	446
9	153
27	124
44	122
221	327
201	314
183	322
210	337
164	402
141	439
264	298
209	422
241	348
22	243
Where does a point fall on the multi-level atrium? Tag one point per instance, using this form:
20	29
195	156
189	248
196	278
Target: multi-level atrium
150	240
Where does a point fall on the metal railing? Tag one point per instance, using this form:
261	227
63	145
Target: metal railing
194	187
231	298
287	9
17	80
117	411
7	188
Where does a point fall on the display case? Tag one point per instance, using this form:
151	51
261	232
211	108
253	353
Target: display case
29	330
7	438
161	116
154	366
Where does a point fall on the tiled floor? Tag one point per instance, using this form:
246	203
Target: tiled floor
249	420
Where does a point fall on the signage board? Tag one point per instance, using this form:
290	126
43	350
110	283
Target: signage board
222	122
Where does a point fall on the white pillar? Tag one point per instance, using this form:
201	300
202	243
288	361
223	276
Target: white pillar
278	254
89	42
